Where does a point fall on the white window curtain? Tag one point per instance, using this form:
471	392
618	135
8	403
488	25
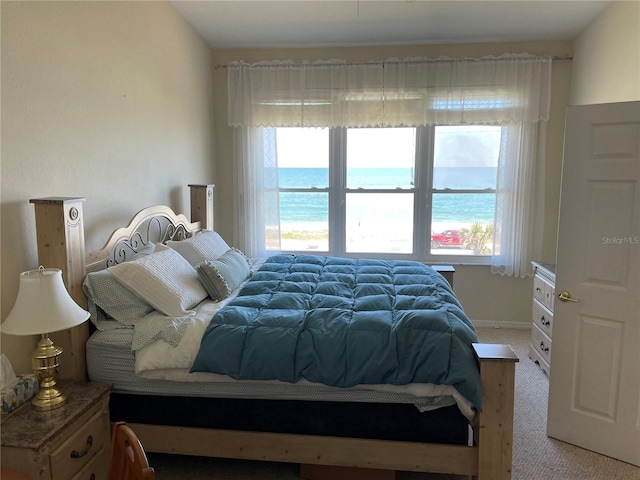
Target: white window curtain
258	213
519	218
512	91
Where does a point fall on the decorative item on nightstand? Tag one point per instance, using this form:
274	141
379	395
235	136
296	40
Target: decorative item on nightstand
14	390
44	306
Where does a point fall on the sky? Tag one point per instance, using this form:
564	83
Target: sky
378	148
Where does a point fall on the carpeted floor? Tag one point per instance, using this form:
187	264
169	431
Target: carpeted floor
535	456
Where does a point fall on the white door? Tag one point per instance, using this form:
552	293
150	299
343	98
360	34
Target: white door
594	391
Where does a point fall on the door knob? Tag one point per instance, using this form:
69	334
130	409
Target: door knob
565	296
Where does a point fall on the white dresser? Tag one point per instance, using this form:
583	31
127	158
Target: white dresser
544	292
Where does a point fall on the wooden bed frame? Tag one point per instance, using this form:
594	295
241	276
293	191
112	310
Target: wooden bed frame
60	234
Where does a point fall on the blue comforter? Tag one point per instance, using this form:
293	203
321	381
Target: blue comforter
344	322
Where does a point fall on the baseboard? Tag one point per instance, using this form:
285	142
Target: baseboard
500	324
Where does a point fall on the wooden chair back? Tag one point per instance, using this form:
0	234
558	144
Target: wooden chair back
128	460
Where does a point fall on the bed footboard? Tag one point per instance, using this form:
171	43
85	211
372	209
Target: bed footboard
488	459
493	429
309	449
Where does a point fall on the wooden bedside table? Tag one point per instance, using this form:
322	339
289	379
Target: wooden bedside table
71	442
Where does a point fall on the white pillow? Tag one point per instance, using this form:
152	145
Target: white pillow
164	280
202	247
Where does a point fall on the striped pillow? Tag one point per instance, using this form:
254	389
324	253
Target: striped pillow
222	276
164	280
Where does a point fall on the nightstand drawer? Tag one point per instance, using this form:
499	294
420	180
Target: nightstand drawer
81	448
542	318
541	343
96	469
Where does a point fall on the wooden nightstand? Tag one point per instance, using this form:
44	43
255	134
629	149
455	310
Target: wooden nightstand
71	442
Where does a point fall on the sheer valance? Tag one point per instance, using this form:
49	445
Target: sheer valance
393	93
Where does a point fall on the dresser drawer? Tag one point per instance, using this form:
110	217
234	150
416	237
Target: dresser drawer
543	318
538	358
538	289
544	292
549	296
541	343
81	448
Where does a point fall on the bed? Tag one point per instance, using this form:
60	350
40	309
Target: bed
165	409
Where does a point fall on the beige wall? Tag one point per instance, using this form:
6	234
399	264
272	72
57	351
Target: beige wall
484	296
606	61
111	101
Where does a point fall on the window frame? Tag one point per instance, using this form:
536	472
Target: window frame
422	191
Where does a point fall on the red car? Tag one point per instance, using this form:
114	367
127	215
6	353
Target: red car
448	238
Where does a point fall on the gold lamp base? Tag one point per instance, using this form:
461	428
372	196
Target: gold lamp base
52	398
46	364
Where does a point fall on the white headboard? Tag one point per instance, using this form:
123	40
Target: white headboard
60	235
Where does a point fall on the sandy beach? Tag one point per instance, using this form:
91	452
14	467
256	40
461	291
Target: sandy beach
361	236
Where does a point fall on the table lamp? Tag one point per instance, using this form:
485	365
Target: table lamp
44	306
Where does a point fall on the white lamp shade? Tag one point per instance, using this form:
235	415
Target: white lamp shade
43	305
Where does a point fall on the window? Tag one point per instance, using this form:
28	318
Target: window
380	190
425	193
463	197
511	92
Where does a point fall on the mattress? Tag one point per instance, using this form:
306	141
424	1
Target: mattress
259	406
111	360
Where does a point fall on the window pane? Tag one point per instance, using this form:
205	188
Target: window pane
379	222
303	157
463	208
462	223
466	157
380	157
304	221
303	163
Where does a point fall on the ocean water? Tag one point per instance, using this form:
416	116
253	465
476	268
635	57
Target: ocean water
311	207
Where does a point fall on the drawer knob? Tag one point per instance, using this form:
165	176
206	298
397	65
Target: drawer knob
544	321
543	348
77	454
